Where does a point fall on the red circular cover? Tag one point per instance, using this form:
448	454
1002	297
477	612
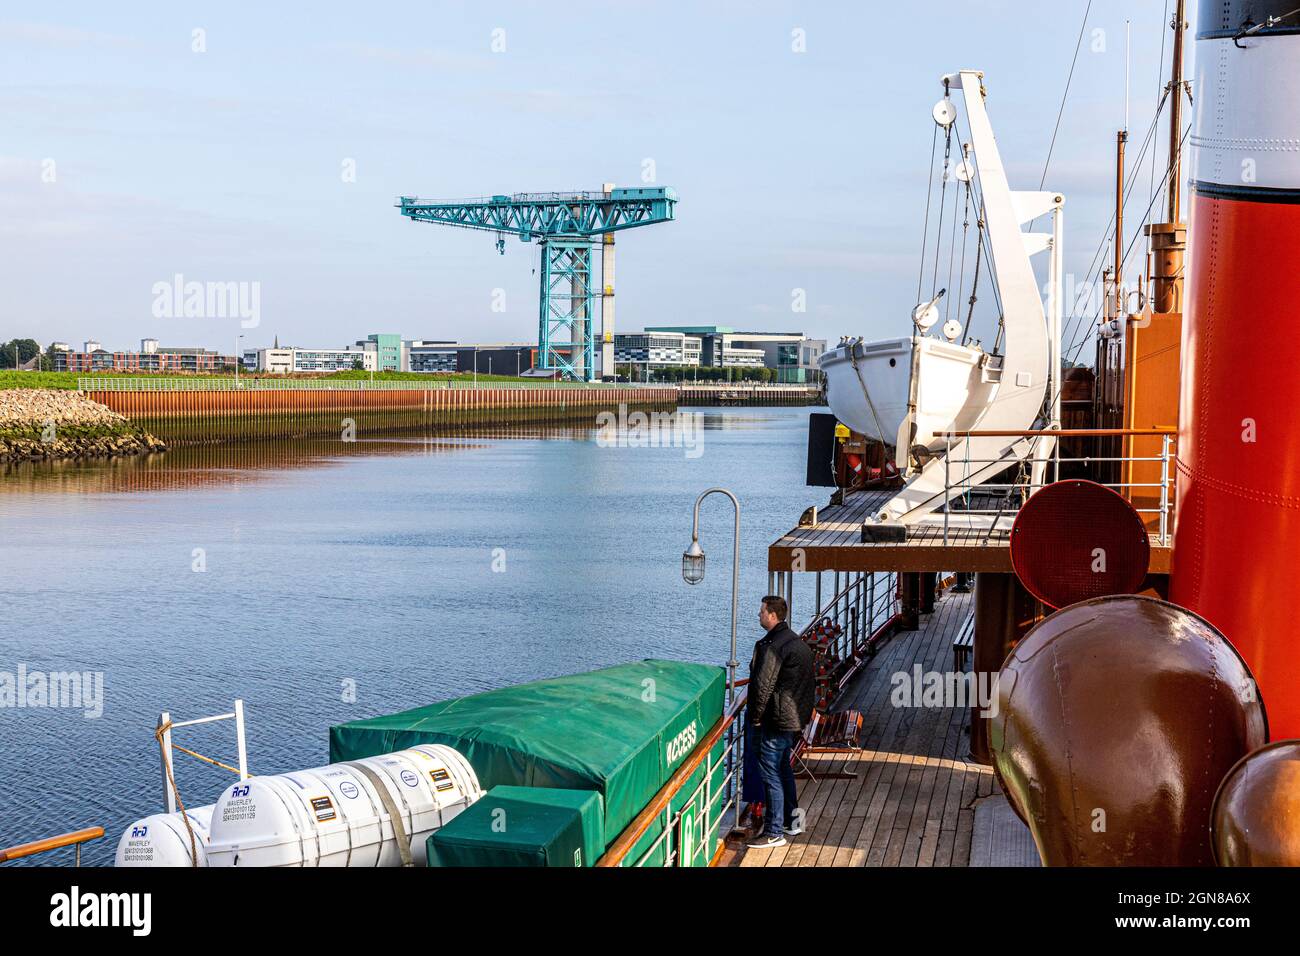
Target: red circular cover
1075	540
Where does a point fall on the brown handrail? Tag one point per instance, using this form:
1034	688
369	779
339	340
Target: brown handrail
1060	433
76	837
633	832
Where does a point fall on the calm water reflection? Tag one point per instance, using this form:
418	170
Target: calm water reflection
370	562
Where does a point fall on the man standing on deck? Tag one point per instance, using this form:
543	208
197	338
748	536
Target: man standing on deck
781	696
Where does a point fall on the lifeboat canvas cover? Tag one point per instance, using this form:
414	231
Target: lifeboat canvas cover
621	731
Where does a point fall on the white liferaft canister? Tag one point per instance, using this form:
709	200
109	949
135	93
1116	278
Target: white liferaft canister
163	840
337	816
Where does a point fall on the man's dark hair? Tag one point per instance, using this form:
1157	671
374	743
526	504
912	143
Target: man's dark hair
775	604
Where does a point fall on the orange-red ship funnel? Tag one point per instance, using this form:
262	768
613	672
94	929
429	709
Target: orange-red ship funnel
1238	501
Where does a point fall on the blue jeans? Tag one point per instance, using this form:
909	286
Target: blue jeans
778	778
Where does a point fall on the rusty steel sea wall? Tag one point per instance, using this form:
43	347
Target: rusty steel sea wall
200	416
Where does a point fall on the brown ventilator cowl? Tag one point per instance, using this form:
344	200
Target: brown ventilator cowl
1256	819
1117	719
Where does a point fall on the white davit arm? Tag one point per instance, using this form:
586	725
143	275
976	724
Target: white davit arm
1025	367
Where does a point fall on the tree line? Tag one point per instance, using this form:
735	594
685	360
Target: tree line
18	352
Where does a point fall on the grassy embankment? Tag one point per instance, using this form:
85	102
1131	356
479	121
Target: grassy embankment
68	380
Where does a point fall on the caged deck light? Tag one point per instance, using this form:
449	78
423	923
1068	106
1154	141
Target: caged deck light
693	563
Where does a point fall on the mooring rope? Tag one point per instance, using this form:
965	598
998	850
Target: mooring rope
176	792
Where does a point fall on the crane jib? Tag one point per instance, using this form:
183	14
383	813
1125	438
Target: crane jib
549	214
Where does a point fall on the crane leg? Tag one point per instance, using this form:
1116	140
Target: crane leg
565	306
607	305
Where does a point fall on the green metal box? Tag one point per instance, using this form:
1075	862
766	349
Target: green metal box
523	826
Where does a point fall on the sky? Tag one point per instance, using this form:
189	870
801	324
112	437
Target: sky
266	144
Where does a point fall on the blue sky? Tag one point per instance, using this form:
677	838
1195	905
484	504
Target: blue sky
794	170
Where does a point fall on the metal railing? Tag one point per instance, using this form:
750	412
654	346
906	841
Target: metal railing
1015	493
73	839
573	195
163	734
695	821
741	386
861	601
862	606
212	384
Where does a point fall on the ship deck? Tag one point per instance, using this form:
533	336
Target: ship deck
916	799
835	543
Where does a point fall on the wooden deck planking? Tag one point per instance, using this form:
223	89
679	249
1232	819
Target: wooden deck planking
948	740
917	744
855	795
911	803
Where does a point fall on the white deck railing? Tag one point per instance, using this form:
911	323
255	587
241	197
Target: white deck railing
1014	493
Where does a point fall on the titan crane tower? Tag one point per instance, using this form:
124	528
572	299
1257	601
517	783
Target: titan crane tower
568	226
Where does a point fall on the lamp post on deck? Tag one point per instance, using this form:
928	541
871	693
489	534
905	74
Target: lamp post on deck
693	573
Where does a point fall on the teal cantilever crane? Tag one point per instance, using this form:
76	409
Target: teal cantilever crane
568	225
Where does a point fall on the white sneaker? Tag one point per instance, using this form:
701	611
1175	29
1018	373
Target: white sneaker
793	830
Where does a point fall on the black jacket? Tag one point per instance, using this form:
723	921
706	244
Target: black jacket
782	689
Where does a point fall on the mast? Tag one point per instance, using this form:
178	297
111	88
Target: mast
1169	238
1176	112
1149	377
1121	140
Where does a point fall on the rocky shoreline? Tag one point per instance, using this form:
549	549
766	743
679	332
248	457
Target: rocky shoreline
47	424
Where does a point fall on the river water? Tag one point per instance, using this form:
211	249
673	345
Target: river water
327	581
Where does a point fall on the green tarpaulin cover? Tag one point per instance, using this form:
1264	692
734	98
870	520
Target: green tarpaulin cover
621	731
523	826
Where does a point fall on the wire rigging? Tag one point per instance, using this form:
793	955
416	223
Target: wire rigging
1078	45
952	250
1098	261
1156	194
943	195
925	231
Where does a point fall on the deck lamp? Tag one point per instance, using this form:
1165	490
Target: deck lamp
693	563
693	573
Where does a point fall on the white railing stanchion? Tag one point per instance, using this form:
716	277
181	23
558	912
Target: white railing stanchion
1164	489
947	486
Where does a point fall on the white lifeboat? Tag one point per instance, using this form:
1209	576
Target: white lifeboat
871	386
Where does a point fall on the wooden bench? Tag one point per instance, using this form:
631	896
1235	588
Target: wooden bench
827	733
963	645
